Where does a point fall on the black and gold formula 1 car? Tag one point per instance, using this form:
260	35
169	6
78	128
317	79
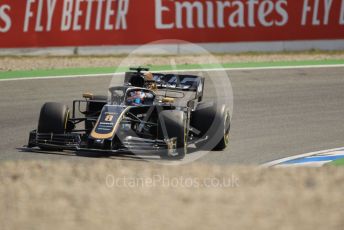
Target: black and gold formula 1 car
153	113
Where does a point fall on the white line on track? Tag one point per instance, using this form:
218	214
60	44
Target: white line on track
183	70
279	161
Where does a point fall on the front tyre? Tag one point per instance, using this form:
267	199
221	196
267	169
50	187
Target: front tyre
172	124
53	118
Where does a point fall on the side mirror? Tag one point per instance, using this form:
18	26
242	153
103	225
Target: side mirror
169	100
87	95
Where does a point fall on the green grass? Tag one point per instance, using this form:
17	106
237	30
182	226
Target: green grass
339	162
109	70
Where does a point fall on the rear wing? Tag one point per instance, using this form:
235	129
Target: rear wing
181	82
173	82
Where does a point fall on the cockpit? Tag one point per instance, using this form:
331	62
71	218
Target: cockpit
136	97
131	96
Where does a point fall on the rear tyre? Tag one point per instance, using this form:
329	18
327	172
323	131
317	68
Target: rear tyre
172	124
211	120
53	119
224	141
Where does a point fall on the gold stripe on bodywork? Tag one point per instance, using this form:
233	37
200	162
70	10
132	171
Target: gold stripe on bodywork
96	135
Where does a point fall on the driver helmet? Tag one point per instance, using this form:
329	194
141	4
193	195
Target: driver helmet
150	79
148	76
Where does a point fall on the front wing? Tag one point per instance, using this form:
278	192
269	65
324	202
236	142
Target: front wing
76	142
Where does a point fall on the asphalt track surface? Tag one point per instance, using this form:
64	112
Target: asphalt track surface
277	113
